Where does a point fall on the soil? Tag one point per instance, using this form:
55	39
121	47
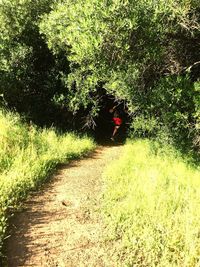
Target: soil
61	226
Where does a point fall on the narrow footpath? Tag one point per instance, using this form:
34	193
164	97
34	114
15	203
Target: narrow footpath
60	225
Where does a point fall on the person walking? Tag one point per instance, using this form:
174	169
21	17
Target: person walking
117	122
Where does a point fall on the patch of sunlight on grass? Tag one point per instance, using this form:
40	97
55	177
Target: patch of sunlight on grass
152	206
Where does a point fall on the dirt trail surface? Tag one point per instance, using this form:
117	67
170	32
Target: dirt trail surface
60	226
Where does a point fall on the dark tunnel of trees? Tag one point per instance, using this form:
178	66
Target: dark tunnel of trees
64	65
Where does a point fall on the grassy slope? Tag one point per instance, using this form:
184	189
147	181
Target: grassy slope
152	207
27	155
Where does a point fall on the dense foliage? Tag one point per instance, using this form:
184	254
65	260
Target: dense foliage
27	155
152	210
145	53
29	73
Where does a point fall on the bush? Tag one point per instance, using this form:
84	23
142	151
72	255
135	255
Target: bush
170	112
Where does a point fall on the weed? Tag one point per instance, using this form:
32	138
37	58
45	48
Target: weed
27	155
152	206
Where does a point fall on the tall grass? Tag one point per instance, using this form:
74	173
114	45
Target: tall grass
27	155
152	207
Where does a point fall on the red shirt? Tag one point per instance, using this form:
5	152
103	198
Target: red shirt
117	121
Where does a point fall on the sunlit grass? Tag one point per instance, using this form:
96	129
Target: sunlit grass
152	206
27	155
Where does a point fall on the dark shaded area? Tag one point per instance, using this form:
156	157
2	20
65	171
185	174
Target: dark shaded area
105	125
101	127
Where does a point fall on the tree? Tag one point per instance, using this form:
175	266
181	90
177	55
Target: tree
30	74
133	49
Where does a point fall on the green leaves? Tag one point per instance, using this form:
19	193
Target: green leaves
127	47
29	75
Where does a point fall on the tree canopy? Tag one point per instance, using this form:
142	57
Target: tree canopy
145	53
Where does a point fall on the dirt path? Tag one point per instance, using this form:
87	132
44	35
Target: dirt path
60	225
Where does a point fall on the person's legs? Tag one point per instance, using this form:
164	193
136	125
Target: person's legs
115	131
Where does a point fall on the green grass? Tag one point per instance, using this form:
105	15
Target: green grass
152	207
27	156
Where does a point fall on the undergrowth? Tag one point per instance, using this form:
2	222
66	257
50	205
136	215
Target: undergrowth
152	206
27	155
